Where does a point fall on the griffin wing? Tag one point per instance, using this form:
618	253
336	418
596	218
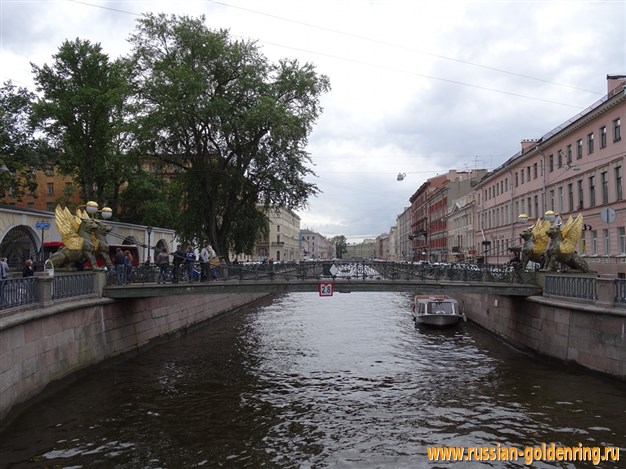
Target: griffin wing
540	236
68	225
571	233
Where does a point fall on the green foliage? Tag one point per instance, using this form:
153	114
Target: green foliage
144	201
341	245
81	113
20	151
234	126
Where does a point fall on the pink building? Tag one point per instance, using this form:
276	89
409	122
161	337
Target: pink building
575	168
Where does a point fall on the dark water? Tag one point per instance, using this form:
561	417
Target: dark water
309	382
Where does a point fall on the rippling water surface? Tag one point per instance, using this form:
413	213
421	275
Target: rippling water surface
305	381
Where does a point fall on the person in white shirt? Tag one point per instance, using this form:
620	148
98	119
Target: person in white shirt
204	263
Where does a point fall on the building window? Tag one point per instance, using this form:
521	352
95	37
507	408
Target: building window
50	171
605	187
592	191
516	180
560	199
617	133
31	204
603	136
590	143
621	240
594	243
618	183
536	206
569	154
579	149
552	200
535	171
559	159
580	194
570	197
50	188
528	173
607	247
50	206
551	163
522	173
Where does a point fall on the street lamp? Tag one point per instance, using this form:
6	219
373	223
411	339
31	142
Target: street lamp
548	216
91	208
149	231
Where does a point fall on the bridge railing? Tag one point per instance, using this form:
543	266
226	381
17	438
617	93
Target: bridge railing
73	284
364	270
22	291
268	271
571	286
16	292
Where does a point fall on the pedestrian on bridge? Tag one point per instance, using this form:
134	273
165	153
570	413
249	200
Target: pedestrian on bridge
179	258
28	268
4	274
163	261
204	263
120	266
214	262
190	259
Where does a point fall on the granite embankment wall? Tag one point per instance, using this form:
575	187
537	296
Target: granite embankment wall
587	334
40	346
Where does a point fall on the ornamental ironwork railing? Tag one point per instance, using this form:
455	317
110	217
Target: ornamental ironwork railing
571	286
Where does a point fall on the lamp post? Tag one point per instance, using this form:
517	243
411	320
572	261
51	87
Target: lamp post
91	208
149	231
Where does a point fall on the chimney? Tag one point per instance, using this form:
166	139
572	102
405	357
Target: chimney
615	83
528	144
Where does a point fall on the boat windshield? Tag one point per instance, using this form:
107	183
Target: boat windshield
444	306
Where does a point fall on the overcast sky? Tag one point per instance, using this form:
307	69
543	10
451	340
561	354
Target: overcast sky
418	87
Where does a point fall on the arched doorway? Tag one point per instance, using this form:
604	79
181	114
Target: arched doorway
19	244
159	246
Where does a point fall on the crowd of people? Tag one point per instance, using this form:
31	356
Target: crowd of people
185	261
183	264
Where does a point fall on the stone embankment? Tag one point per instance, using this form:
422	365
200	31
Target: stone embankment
43	344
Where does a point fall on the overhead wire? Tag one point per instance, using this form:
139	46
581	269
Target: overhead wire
388	44
402	46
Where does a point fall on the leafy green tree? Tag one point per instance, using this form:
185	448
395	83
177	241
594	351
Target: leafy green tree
145	201
20	151
341	245
81	112
232	125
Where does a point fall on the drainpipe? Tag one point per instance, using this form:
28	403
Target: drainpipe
543	171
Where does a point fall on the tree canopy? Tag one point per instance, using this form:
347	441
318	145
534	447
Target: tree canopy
81	112
231	126
20	151
341	245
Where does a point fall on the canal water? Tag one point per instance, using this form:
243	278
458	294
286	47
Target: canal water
308	382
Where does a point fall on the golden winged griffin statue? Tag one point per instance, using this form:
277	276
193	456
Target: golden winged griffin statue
556	242
83	238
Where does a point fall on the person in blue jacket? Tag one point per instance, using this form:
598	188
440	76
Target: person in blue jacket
190	259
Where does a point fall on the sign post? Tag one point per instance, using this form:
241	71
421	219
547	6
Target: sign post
326	288
42	225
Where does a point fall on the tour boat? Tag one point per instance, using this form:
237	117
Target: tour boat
436	310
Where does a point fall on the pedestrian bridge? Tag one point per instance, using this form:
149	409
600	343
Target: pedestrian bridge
345	277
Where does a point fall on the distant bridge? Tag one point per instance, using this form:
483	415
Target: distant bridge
345	276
